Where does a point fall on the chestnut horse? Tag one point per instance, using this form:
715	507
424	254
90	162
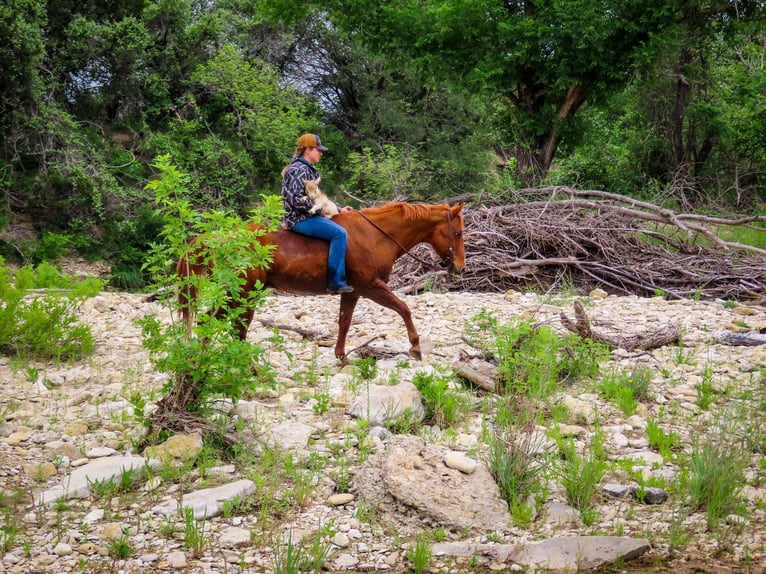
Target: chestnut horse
377	237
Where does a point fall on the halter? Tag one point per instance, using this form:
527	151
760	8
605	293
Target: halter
444	263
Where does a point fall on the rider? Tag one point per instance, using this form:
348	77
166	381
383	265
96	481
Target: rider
297	204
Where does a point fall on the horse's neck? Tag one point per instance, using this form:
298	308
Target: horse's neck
409	224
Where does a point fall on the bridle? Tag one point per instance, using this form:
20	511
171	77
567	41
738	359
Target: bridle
444	263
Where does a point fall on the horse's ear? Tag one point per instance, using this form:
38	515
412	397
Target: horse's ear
457	208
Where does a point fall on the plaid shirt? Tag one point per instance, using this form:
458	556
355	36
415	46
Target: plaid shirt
294	198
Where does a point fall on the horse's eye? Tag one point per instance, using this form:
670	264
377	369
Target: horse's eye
458	234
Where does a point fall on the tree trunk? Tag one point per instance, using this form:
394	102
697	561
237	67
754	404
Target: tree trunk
533	161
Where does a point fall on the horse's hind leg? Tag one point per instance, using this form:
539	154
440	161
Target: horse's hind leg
242	317
382	295
348	303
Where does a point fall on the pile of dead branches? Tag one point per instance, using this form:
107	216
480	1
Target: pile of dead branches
566	238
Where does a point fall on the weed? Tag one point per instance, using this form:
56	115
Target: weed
705	390
322	400
366	368
342	477
8	533
613	386
303	489
120	548
716	476
682	355
420	555
580	475
167	528
532	360
290	558
516	469
194	533
443	405
660	441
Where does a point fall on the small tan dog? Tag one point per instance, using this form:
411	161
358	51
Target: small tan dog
321	201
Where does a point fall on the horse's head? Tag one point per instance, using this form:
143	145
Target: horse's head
448	240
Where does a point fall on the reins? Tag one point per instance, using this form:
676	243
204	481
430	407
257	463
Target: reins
443	263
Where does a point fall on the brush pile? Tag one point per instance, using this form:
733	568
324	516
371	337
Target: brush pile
556	238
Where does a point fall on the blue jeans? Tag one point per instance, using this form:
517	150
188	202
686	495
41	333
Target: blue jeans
327	229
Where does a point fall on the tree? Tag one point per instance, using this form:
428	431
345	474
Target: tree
539	62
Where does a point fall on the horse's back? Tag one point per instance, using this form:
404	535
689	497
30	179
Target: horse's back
300	262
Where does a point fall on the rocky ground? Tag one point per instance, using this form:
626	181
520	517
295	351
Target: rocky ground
374	493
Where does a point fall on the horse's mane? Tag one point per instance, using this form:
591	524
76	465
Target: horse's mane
410	211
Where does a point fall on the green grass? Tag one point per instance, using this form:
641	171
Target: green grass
626	389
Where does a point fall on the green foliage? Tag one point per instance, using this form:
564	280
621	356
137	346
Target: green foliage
414	100
580	474
420	555
626	389
213	362
705	389
518	471
366	368
393	172
534	360
194	533
443	404
659	440
45	325
120	548
300	558
547	56
716	476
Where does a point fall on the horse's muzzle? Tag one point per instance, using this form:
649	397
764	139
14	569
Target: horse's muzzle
455	269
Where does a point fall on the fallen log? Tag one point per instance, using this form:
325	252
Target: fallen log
479	372
642	341
748	339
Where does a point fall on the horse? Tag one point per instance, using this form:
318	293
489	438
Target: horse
377	237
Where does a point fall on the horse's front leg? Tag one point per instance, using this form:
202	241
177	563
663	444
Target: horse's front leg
348	303
382	295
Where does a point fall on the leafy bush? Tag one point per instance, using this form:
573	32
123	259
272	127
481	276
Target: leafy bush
212	362
44	326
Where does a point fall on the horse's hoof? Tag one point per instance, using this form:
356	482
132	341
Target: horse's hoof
416	354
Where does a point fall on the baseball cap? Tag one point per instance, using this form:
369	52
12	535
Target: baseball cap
311	140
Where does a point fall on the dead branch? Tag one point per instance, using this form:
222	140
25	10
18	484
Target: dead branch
305	333
641	341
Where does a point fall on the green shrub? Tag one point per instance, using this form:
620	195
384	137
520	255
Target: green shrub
43	326
443	405
212	362
533	360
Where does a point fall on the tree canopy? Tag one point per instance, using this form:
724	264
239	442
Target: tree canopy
417	100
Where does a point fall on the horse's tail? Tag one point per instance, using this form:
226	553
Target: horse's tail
187	292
